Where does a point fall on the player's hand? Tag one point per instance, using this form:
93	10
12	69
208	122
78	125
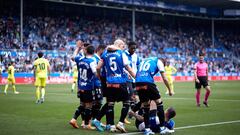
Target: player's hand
112	48
79	44
197	81
131	113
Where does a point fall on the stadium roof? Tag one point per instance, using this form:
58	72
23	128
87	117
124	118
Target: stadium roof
220	4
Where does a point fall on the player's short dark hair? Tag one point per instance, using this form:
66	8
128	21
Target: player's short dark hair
131	43
86	44
101	47
40	54
201	54
171	112
90	49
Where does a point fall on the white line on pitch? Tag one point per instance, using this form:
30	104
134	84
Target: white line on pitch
194	126
210	124
195	99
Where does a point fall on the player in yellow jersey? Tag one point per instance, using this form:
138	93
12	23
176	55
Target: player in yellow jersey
11	78
169	71
41	72
75	77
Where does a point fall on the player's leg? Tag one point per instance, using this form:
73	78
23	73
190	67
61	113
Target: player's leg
161	116
77	113
96	122
82	112
171	84
43	85
86	97
207	94
146	108
37	90
6	86
155	96
97	103
37	94
124	112
43	91
144	96
110	113
130	91
123	95
104	92
102	111
160	111
14	87
198	93
130	88
88	114
111	98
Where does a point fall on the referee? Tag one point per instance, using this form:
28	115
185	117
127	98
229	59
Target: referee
201	79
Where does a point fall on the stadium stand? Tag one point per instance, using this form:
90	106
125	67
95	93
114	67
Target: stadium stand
180	41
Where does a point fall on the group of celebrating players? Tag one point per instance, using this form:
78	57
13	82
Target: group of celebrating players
116	73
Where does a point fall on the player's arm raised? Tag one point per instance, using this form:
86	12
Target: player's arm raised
77	50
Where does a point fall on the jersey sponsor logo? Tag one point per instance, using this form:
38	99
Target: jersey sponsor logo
83	84
143	74
116	75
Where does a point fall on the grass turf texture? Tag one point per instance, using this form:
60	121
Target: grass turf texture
20	115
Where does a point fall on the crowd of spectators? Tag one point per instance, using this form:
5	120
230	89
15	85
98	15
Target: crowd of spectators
181	46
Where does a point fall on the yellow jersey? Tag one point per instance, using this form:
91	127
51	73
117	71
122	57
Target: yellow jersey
11	71
41	67
169	70
75	71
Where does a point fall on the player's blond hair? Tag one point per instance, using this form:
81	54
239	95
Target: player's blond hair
118	42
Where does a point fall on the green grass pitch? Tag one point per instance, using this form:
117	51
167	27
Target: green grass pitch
19	115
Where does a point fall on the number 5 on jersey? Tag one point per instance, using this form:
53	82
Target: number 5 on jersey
113	64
